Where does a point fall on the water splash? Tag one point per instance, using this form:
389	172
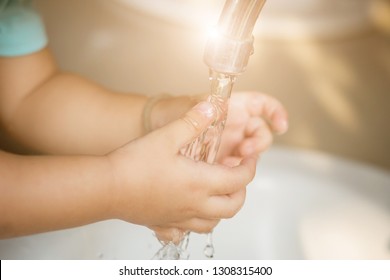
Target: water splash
171	251
204	148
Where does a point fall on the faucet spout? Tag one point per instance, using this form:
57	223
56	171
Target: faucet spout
229	50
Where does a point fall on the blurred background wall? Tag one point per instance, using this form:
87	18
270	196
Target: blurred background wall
334	82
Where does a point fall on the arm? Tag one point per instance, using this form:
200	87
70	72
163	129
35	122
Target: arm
56	112
61	113
43	193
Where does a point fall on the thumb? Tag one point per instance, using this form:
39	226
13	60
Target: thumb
192	124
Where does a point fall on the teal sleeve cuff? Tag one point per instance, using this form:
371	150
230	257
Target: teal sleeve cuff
21	31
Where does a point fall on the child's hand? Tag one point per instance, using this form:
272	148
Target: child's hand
252	119
157	187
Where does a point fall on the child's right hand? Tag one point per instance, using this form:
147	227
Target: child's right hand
155	186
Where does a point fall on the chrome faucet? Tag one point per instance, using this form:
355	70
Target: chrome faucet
228	51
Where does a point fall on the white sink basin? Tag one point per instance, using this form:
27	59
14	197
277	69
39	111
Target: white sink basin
301	205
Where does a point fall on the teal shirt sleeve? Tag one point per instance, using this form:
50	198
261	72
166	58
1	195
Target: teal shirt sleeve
21	28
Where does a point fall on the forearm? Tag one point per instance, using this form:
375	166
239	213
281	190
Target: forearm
49	111
70	115
61	113
43	193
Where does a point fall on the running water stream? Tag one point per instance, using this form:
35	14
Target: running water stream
204	148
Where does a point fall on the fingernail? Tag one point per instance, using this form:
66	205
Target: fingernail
279	123
205	108
283	126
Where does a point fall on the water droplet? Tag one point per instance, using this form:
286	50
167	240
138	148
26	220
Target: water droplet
209	251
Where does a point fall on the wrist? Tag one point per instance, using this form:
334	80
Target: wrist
167	108
149	122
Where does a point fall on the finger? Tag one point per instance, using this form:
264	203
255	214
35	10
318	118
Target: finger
221	179
169	234
231	161
201	225
258	138
186	129
259	141
279	123
262	105
230	180
225	206
197	225
254	124
255	145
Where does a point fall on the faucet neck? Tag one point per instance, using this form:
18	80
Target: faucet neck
229	50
